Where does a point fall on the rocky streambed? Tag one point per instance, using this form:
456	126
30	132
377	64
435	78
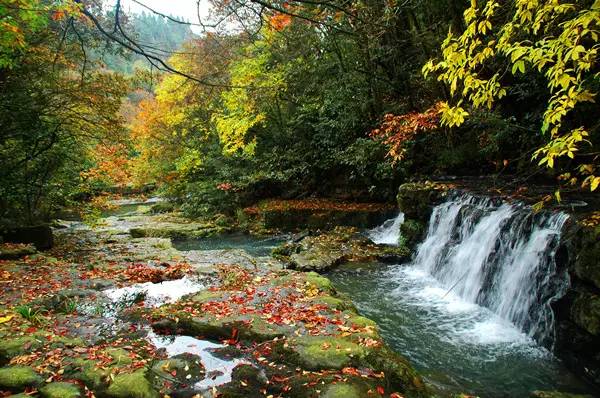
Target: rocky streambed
115	312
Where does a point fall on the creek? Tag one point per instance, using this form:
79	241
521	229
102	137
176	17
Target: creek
471	311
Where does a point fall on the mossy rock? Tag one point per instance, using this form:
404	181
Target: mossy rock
17	378
91	375
416	199
586	312
14	252
342	390
556	394
335	302
320	282
325	352
184	369
132	385
120	356
411	233
398	371
13	347
60	390
207	295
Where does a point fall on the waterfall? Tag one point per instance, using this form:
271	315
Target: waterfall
387	233
498	255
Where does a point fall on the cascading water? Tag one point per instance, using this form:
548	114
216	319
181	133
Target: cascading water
498	255
387	233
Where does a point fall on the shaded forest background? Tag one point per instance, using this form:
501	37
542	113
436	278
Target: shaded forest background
283	99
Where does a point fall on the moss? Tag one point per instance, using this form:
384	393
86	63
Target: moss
334	302
120	356
207	295
132	385
60	390
556	394
18	378
341	390
398	371
320	282
411	233
12	347
92	376
324	352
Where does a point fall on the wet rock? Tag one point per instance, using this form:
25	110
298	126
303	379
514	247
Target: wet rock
417	199
177	230
177	373
342	245
556	394
586	312
60	390
132	385
342	390
324	352
18	378
412	232
91	375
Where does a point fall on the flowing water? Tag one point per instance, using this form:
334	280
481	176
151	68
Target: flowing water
387	233
255	246
473	307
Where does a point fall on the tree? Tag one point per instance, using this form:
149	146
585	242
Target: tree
557	40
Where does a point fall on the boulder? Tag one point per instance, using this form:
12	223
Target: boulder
132	385
60	390
18	378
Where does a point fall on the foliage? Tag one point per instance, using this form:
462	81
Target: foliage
557	40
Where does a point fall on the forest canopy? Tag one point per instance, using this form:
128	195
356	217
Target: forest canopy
337	98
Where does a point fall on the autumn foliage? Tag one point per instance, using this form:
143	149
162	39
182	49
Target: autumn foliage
395	130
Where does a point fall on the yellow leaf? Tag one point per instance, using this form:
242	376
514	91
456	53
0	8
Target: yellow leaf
4	319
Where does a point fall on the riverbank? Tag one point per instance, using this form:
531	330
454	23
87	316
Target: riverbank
104	313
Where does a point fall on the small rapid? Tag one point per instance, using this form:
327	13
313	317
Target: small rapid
387	233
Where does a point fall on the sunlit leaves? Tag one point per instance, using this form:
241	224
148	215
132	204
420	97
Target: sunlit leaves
566	58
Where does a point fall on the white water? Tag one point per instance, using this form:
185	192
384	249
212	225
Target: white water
499	256
387	233
156	294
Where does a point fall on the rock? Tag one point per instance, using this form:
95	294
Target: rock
586	312
556	394
39	235
317	214
184	369
339	246
585	251
341	390
324	352
11	347
60	390
412	232
417	199
173	228
132	385
15	251
18	378
93	377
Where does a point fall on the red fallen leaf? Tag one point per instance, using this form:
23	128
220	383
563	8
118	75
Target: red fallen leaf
380	390
396	395
31	330
174	373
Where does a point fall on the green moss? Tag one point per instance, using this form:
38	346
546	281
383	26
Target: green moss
556	394
92	376
207	295
320	282
335	303
12	347
18	378
60	390
120	356
341	390
132	385
324	352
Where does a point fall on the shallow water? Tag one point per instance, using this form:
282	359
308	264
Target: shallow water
255	246
218	370
155	294
458	346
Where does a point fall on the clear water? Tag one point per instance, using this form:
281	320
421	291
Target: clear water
457	346
253	245
218	370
